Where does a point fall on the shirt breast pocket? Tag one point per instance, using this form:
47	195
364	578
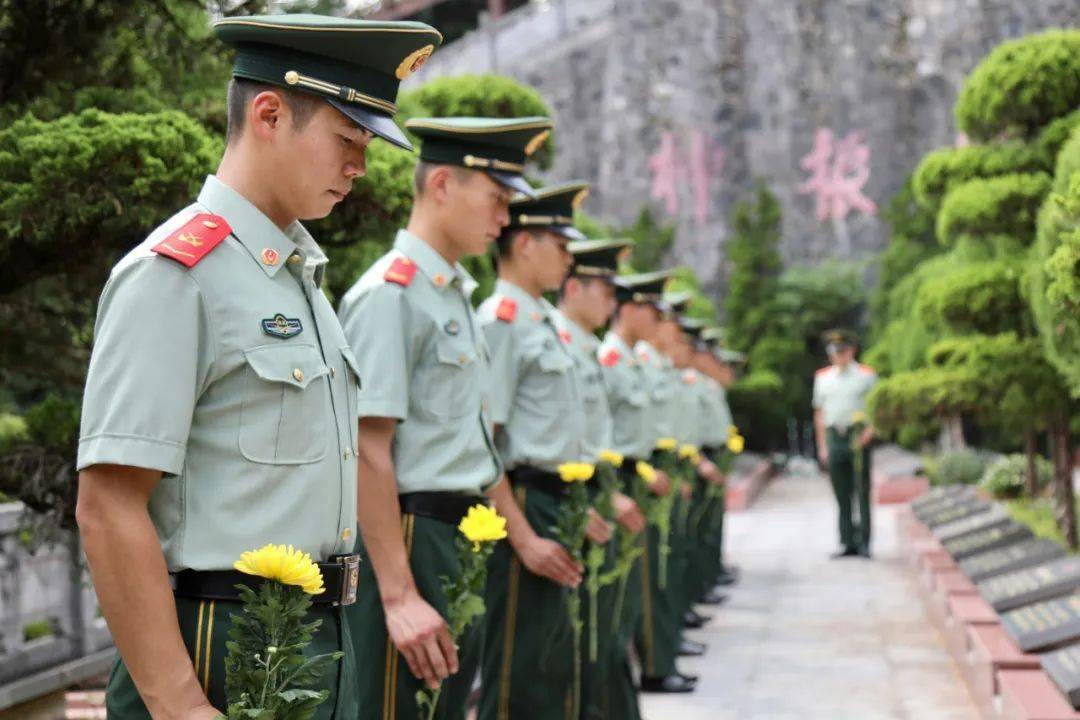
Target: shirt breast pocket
451	383
283	419
555	366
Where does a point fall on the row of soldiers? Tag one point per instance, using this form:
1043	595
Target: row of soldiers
229	406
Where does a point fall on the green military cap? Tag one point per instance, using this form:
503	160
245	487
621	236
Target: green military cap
840	336
597	258
641	288
499	146
356	65
552	209
692	327
731	357
715	336
676	303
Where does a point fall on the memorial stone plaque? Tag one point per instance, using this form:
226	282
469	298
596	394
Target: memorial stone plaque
940	494
988	538
966	508
1063	667
1025	554
963	527
926	512
1044	625
1023	587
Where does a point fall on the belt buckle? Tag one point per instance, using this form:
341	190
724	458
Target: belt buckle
350	578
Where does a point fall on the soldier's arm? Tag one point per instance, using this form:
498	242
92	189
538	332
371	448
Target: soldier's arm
416	628
541	556
132	585
819	435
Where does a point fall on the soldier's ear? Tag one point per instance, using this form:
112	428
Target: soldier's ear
266	113
437	182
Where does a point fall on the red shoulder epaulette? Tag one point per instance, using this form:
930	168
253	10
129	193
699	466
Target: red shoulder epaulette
866	368
564	335
610	358
401	271
689	377
507	310
822	371
194	241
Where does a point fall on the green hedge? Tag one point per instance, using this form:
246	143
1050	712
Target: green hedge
948	168
1005	205
1021	86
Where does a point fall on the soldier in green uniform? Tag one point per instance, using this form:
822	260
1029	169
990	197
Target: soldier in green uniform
659	636
537	407
839	399
586	302
637	313
426	444
220	406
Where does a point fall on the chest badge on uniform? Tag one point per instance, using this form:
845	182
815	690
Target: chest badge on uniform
451	327
269	256
280	326
564	335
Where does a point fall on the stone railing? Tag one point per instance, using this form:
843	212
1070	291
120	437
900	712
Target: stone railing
46	591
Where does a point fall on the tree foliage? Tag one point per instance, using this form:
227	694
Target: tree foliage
1003	205
753	252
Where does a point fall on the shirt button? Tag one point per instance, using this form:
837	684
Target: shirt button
294	259
333	372
348	453
346	533
298	374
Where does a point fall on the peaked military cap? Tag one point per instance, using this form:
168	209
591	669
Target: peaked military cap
551	209
356	65
676	303
642	288
597	258
714	336
499	146
839	336
692	326
731	357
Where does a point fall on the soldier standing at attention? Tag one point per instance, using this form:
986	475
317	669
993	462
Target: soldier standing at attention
625	380
840	392
220	406
586	303
426	445
537	407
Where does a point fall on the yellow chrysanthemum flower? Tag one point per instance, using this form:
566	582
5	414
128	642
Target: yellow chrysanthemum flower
285	564
736	443
576	472
482	524
858	417
688	452
646	472
732	431
667	443
611	457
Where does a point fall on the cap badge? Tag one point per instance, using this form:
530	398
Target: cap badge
413	62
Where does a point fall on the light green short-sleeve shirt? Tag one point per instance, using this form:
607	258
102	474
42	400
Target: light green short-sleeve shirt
535	396
839	394
233	378
628	396
688	419
583	346
422	347
714	410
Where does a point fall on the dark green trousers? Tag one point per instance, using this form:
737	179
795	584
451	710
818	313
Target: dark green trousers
595	673
527	670
704	551
850	491
660	629
619	698
204	625
386	686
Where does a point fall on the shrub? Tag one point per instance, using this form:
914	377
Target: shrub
963	467
995	206
978	297
950	167
1021	86
1006	477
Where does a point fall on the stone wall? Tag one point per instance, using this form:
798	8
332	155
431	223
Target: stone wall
683	104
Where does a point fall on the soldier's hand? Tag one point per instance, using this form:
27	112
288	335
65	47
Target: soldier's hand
598	530
709	471
422	637
627	513
662	485
686	490
823	456
549	559
202	712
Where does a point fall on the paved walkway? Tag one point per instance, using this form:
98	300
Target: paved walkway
805	637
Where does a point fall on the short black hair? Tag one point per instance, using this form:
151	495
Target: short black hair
241	91
424	168
505	240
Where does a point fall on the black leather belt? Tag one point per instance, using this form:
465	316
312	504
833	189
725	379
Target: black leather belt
537	479
340	577
448	507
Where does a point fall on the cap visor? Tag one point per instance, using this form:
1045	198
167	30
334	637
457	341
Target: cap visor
567	231
379	124
514	182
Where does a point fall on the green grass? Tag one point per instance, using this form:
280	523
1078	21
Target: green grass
1038	515
33	631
